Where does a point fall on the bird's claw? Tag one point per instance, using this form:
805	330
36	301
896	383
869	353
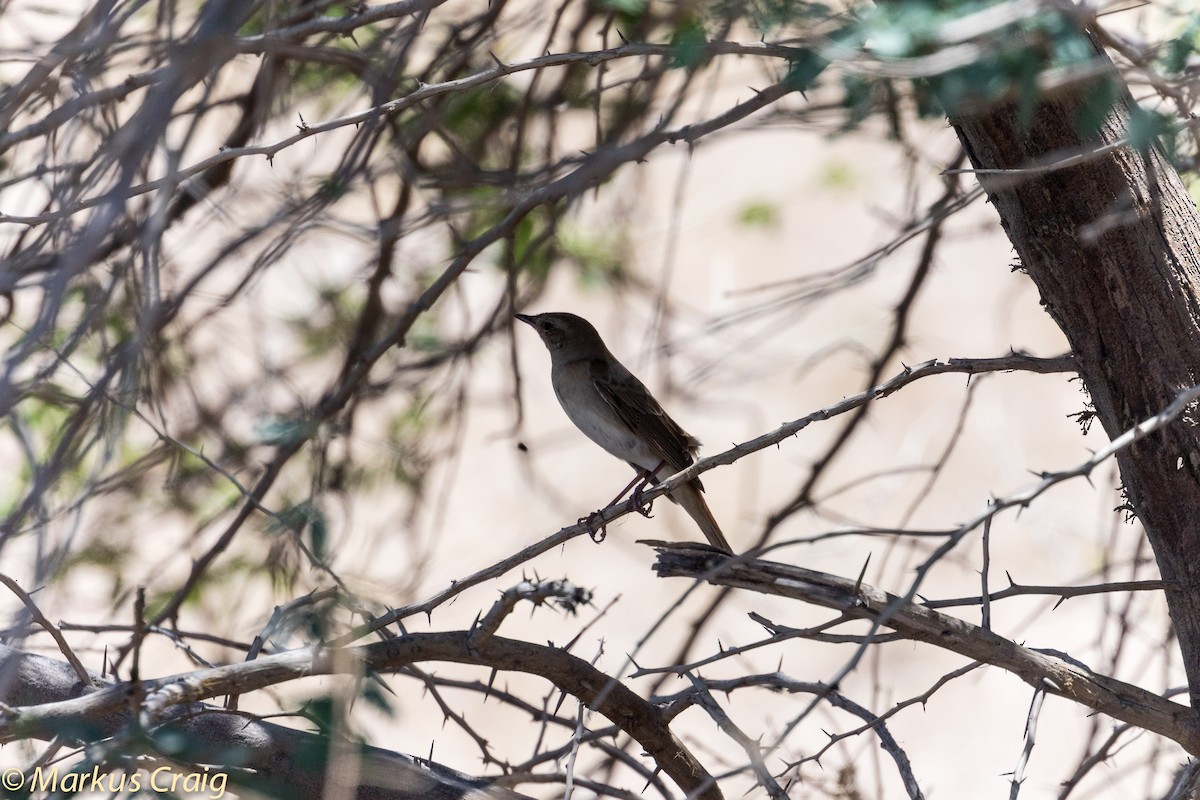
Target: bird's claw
641	506
598	531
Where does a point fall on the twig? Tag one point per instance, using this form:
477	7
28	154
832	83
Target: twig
1053	673
1031	721
54	632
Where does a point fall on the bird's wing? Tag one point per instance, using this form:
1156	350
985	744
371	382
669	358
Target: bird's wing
633	404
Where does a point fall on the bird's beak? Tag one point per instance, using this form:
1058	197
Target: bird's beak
528	320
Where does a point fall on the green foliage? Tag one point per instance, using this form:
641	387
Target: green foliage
332	187
333	323
100	554
1007	64
425	335
314	623
687	44
531	244
1192	181
231	570
406	432
283	432
474	116
1147	128
805	68
768	16
1097	105
266	17
838	175
1177	51
631	7
320	712
372	692
761	214
858	98
305	517
318	79
600	256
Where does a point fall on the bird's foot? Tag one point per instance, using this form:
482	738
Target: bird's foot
643	507
597	530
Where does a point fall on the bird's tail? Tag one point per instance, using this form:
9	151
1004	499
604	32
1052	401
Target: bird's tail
693	503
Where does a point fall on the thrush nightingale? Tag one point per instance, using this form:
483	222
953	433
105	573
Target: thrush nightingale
616	411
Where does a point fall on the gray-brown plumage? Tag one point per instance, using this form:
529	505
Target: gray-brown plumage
616	411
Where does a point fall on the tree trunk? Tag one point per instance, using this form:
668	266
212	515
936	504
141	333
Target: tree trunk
1113	245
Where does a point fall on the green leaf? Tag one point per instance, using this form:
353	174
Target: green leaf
318	531
858	98
319	711
1023	68
632	7
599	255
804	69
758	214
1145	127
1177	51
373	693
836	174
1096	106
533	250
687	44
284	432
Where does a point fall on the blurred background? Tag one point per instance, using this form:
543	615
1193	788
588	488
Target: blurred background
259	343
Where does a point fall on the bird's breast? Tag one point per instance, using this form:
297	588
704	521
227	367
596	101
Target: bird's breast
589	411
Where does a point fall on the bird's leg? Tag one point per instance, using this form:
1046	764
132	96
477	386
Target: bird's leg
597	534
647	478
638	484
640	478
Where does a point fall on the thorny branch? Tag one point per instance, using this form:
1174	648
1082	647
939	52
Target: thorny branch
138	224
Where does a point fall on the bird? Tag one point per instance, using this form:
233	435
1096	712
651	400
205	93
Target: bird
616	411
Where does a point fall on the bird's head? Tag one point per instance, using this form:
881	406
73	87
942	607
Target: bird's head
565	334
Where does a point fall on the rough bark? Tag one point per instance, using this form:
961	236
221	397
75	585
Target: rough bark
285	762
1113	245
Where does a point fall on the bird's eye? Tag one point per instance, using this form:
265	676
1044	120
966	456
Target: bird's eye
546	326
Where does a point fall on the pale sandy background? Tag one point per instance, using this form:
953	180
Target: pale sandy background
726	378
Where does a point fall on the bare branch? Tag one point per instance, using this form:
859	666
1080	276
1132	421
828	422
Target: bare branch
1068	679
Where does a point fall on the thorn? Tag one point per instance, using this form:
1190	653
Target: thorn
862	572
